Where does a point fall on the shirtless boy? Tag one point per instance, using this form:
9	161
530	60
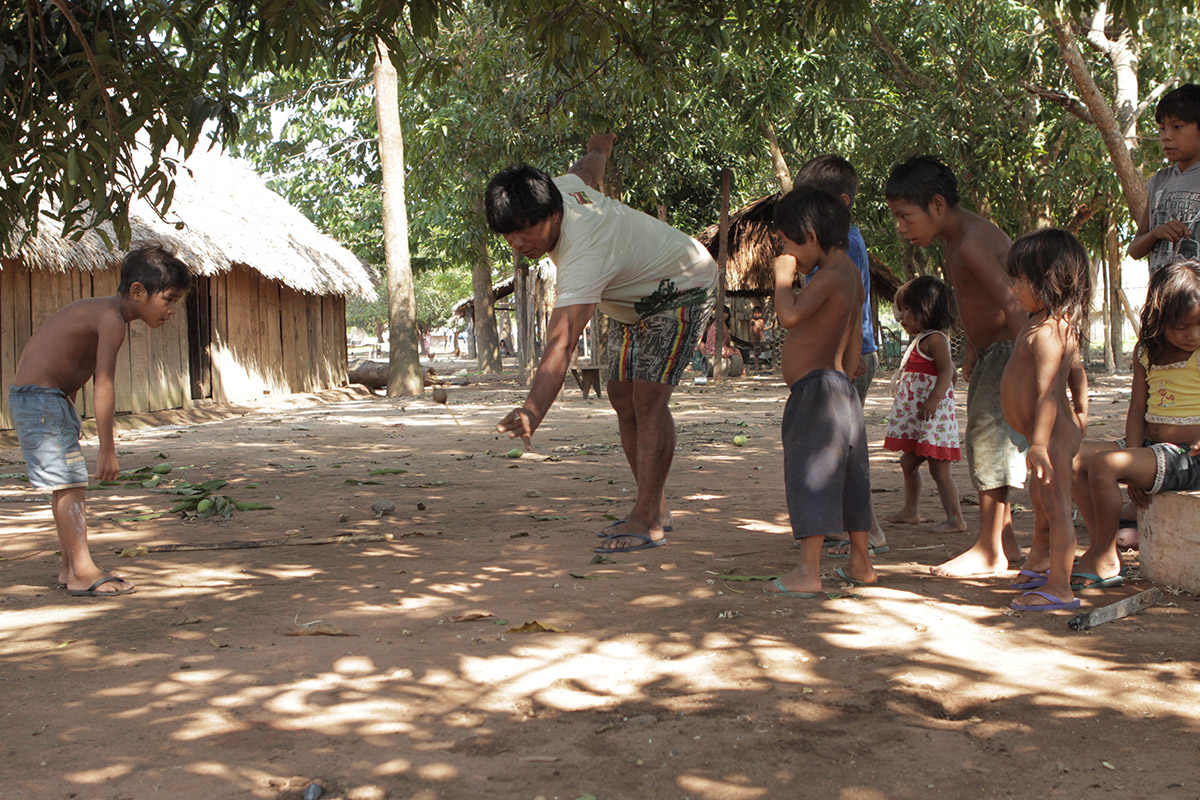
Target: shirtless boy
922	194
78	341
824	440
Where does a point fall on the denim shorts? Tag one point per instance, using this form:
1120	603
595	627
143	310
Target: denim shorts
1175	470
48	428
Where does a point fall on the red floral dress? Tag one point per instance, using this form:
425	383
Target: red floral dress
936	437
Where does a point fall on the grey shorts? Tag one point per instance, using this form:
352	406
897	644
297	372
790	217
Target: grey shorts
48	428
656	348
995	452
1175	470
825	469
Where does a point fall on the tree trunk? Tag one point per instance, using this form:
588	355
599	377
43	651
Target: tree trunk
783	175
1116	319
1133	186
487	337
404	360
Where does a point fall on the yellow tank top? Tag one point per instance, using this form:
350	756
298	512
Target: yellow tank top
1174	391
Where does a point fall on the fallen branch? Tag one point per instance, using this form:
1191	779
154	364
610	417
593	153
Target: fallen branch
242	545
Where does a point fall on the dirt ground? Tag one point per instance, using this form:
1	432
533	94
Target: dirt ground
662	675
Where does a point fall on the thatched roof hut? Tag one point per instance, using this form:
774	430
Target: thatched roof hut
753	246
266	315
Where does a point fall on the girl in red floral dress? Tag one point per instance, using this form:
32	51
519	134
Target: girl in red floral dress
923	427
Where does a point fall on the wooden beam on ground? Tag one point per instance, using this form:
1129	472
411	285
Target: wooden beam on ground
1123	608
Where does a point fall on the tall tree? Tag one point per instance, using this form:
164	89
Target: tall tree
404	360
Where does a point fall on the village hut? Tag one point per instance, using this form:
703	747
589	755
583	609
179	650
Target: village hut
266	316
749	276
753	247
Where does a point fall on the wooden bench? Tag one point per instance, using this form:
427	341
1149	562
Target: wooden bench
588	378
1169	540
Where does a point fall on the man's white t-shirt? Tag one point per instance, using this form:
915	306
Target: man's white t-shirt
628	262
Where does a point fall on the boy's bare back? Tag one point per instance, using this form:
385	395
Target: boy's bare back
975	252
61	354
824	330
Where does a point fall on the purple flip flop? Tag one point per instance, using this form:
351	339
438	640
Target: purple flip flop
1034	579
1055	604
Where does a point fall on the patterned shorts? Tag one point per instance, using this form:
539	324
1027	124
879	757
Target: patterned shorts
656	348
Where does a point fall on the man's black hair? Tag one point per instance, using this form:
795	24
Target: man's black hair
919	180
830	173
520	196
156	268
1183	103
807	208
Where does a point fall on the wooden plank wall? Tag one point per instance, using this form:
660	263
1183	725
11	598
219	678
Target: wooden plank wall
271	339
266	339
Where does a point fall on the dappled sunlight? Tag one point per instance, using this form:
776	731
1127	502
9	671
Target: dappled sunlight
396	668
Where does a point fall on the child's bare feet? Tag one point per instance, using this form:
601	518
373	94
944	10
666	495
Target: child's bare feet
950	526
976	562
905	518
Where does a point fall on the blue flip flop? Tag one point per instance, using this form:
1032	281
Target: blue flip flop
782	592
1055	603
647	543
1035	580
607	531
872	550
1095	581
841	574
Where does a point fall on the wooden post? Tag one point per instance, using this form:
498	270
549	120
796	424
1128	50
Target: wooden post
722	260
521	291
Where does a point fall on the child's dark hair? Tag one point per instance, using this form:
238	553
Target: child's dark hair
830	173
807	208
1183	103
156	268
930	301
1056	267
919	180
1173	294
520	196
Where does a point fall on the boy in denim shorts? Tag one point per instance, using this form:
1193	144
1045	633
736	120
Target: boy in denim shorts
78	341
655	283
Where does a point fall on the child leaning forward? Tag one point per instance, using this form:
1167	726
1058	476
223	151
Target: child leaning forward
76	342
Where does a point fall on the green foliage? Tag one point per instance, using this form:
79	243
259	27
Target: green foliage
84	88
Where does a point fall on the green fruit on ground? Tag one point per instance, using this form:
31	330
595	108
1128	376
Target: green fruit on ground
161	469
739	440
204	505
514	453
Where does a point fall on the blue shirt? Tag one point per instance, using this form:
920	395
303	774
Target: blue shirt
857	250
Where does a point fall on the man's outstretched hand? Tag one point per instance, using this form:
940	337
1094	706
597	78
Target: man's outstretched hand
520	422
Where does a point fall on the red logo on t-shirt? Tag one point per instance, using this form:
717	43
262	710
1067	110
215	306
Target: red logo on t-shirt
580	198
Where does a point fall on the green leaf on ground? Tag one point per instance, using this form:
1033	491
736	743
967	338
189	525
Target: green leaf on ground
387	471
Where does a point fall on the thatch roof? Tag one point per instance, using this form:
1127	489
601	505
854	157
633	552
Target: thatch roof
229	218
753	246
